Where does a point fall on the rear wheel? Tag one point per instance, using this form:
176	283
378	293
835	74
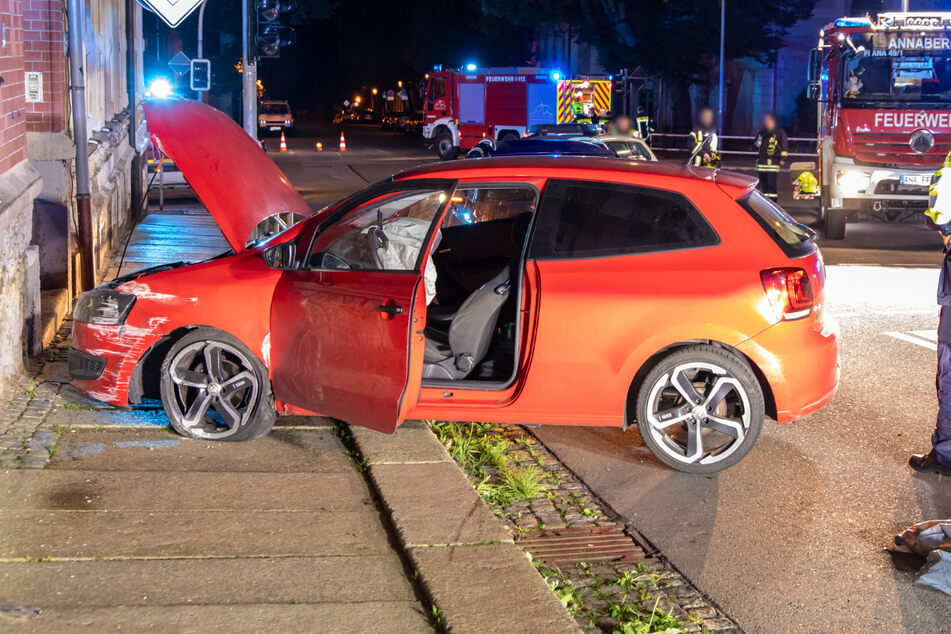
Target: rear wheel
444	146
700	409
214	388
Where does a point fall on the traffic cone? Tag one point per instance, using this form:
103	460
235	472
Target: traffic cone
320	146
343	143
283	143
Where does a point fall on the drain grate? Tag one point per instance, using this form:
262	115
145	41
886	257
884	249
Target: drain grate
568	546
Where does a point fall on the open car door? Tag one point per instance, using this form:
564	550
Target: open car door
347	324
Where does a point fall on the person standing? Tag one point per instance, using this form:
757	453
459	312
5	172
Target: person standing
703	142
645	126
622	125
938	460
772	148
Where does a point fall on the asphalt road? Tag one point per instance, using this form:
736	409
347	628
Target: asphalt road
791	538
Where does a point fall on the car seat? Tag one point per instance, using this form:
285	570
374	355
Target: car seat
453	357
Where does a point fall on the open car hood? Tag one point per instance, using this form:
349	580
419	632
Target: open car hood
232	176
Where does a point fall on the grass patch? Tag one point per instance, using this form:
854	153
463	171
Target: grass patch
487	457
78	406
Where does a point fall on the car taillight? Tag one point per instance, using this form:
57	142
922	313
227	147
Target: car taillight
789	292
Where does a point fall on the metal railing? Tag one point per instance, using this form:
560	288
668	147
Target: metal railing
667	142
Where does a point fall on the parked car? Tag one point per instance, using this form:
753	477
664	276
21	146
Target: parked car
629	147
275	116
605	146
544	146
566	290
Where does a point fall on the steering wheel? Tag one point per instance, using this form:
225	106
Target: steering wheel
376	240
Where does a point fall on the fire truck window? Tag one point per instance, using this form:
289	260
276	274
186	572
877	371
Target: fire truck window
437	89
587	219
923	76
485	204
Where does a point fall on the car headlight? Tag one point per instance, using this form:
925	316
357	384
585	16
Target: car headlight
262	122
852	182
287	121
103	306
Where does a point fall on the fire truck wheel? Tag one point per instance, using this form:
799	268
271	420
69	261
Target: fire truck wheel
444	145
835	224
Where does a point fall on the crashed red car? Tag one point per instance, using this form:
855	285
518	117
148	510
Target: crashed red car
562	290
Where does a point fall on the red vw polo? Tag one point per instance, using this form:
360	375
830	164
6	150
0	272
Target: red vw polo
557	290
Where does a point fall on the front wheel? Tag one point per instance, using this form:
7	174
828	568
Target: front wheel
444	146
214	388
834	220
700	409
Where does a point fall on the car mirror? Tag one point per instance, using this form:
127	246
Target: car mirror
281	256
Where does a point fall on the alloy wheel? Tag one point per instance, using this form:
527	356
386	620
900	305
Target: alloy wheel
698	413
215	388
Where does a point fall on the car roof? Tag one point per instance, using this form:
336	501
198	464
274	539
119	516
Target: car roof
541	166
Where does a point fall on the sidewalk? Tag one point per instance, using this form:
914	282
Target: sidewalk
109	520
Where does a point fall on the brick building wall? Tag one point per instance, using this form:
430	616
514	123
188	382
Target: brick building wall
19	186
45	52
12	98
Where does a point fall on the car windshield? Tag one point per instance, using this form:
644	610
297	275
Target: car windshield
274	108
795	239
629	150
920	76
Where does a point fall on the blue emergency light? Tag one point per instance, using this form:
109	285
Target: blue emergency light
471	67
160	88
852	22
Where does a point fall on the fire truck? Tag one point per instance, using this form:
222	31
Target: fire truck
462	107
884	96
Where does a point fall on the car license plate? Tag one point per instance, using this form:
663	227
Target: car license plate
916	179
277	127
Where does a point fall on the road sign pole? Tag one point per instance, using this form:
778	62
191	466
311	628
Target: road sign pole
722	42
248	76
201	23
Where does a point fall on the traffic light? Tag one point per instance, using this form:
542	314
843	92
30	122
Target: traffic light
271	34
200	77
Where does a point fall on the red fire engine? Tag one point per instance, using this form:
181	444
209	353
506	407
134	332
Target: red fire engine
884	94
462	107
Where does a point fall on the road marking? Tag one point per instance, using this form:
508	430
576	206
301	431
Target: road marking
930	335
915	340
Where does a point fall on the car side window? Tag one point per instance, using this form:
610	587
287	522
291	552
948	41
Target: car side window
384	234
473	205
587	219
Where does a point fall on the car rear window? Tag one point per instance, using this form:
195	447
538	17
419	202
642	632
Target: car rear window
584	219
794	238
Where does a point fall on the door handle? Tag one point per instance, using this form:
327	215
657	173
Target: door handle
390	309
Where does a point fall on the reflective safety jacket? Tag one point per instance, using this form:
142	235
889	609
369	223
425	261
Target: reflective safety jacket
773	148
939	197
694	141
644	127
939	211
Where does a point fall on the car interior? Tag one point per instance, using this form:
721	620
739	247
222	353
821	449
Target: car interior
471	324
471	279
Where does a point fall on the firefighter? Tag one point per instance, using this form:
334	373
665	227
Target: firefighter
938	460
645	126
705	133
773	149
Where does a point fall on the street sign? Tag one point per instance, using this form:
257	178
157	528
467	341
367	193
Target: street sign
200	78
172	12
180	64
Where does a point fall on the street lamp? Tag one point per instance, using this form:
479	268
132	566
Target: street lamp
373	91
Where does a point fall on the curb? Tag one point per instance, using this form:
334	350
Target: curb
468	563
